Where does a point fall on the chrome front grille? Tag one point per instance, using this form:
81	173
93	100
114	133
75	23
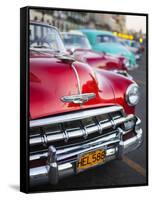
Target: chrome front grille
57	142
82	124
74	128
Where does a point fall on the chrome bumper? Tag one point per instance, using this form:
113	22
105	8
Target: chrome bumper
59	164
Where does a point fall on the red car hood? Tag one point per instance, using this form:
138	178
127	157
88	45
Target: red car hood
100	60
51	78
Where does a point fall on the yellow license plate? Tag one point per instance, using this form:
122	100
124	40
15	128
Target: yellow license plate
91	159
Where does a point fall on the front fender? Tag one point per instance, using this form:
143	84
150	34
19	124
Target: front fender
119	85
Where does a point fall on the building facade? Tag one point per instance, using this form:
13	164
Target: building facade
66	20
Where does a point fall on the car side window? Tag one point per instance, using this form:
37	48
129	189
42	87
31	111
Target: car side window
105	38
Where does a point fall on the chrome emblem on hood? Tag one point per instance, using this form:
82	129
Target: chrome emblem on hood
78	99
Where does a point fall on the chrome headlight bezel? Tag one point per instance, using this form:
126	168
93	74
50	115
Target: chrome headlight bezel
132	94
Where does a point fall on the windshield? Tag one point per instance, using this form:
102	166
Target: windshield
79	41
46	37
106	38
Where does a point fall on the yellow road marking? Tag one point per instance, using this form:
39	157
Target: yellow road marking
134	166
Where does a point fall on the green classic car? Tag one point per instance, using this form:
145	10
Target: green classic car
105	41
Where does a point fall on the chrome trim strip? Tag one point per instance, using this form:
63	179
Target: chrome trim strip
78	78
74	116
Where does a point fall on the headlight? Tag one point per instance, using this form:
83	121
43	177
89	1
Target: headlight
132	94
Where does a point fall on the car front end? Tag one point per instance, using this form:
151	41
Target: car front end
91	138
80	117
131	59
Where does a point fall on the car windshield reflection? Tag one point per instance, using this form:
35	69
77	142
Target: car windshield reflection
79	41
45	37
106	38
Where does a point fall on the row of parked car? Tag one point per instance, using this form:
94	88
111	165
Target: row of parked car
82	102
106	43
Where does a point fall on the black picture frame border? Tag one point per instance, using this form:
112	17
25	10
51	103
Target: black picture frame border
24	100
24	97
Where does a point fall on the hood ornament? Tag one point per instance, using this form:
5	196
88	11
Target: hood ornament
65	58
78	99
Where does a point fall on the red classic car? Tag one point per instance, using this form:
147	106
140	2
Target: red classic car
116	64
80	117
78	46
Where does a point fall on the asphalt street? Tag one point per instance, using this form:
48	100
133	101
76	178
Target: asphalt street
129	171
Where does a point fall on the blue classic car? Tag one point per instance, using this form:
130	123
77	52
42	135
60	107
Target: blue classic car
105	41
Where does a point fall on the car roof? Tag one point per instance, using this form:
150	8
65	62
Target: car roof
42	23
96	32
73	32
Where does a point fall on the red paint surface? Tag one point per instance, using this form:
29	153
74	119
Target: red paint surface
51	79
100	60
